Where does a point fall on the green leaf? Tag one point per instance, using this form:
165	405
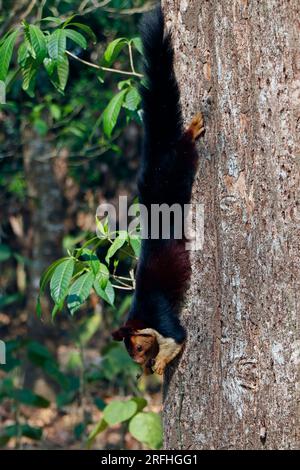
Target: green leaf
113	50
100	76
23	54
102	285
28	40
116	245
89	242
41	126
27	397
5	253
99	403
46	276
117	362
136	244
38	42
9	299
119	411
100	427
53	19
80	291
106	293
57	44
78	430
31	432
61	279
51	369
65	398
38	353
38	307
74	361
92	259
101	229
132	99
50	66
138	44
68	20
86	29
147	428
6	51
29	72
140	402
112	111
55	111
103	275
63	70
76	37
16	430
124	84
3	38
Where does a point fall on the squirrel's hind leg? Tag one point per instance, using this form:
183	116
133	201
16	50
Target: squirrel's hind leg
196	127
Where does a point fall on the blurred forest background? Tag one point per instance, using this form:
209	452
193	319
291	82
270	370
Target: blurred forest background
70	137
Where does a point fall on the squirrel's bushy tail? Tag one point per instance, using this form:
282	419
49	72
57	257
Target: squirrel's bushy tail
161	107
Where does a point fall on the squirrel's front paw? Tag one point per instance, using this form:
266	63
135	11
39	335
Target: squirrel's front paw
159	366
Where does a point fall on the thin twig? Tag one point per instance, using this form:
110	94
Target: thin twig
118	278
13	18
123	278
122	288
95	7
87	10
130	11
122	283
83	5
40	10
131	58
68	117
28	10
106	69
83	61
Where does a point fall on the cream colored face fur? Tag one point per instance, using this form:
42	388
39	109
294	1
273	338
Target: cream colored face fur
143	347
168	349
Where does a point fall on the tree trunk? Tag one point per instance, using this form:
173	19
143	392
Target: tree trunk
235	386
45	173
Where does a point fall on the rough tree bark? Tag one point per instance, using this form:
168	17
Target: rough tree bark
236	383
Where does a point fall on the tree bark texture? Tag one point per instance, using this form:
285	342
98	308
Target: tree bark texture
236	385
45	173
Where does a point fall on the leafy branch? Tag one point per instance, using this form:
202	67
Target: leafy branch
48	49
72	278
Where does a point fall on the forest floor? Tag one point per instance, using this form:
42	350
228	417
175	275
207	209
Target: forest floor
61	425
58	427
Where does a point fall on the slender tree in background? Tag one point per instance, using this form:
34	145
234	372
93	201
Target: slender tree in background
235	385
44	174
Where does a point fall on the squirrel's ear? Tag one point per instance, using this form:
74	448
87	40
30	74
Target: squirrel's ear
118	335
121	333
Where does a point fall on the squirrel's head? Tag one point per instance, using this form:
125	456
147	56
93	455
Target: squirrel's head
142	347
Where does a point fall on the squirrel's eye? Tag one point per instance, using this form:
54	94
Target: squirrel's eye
139	348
